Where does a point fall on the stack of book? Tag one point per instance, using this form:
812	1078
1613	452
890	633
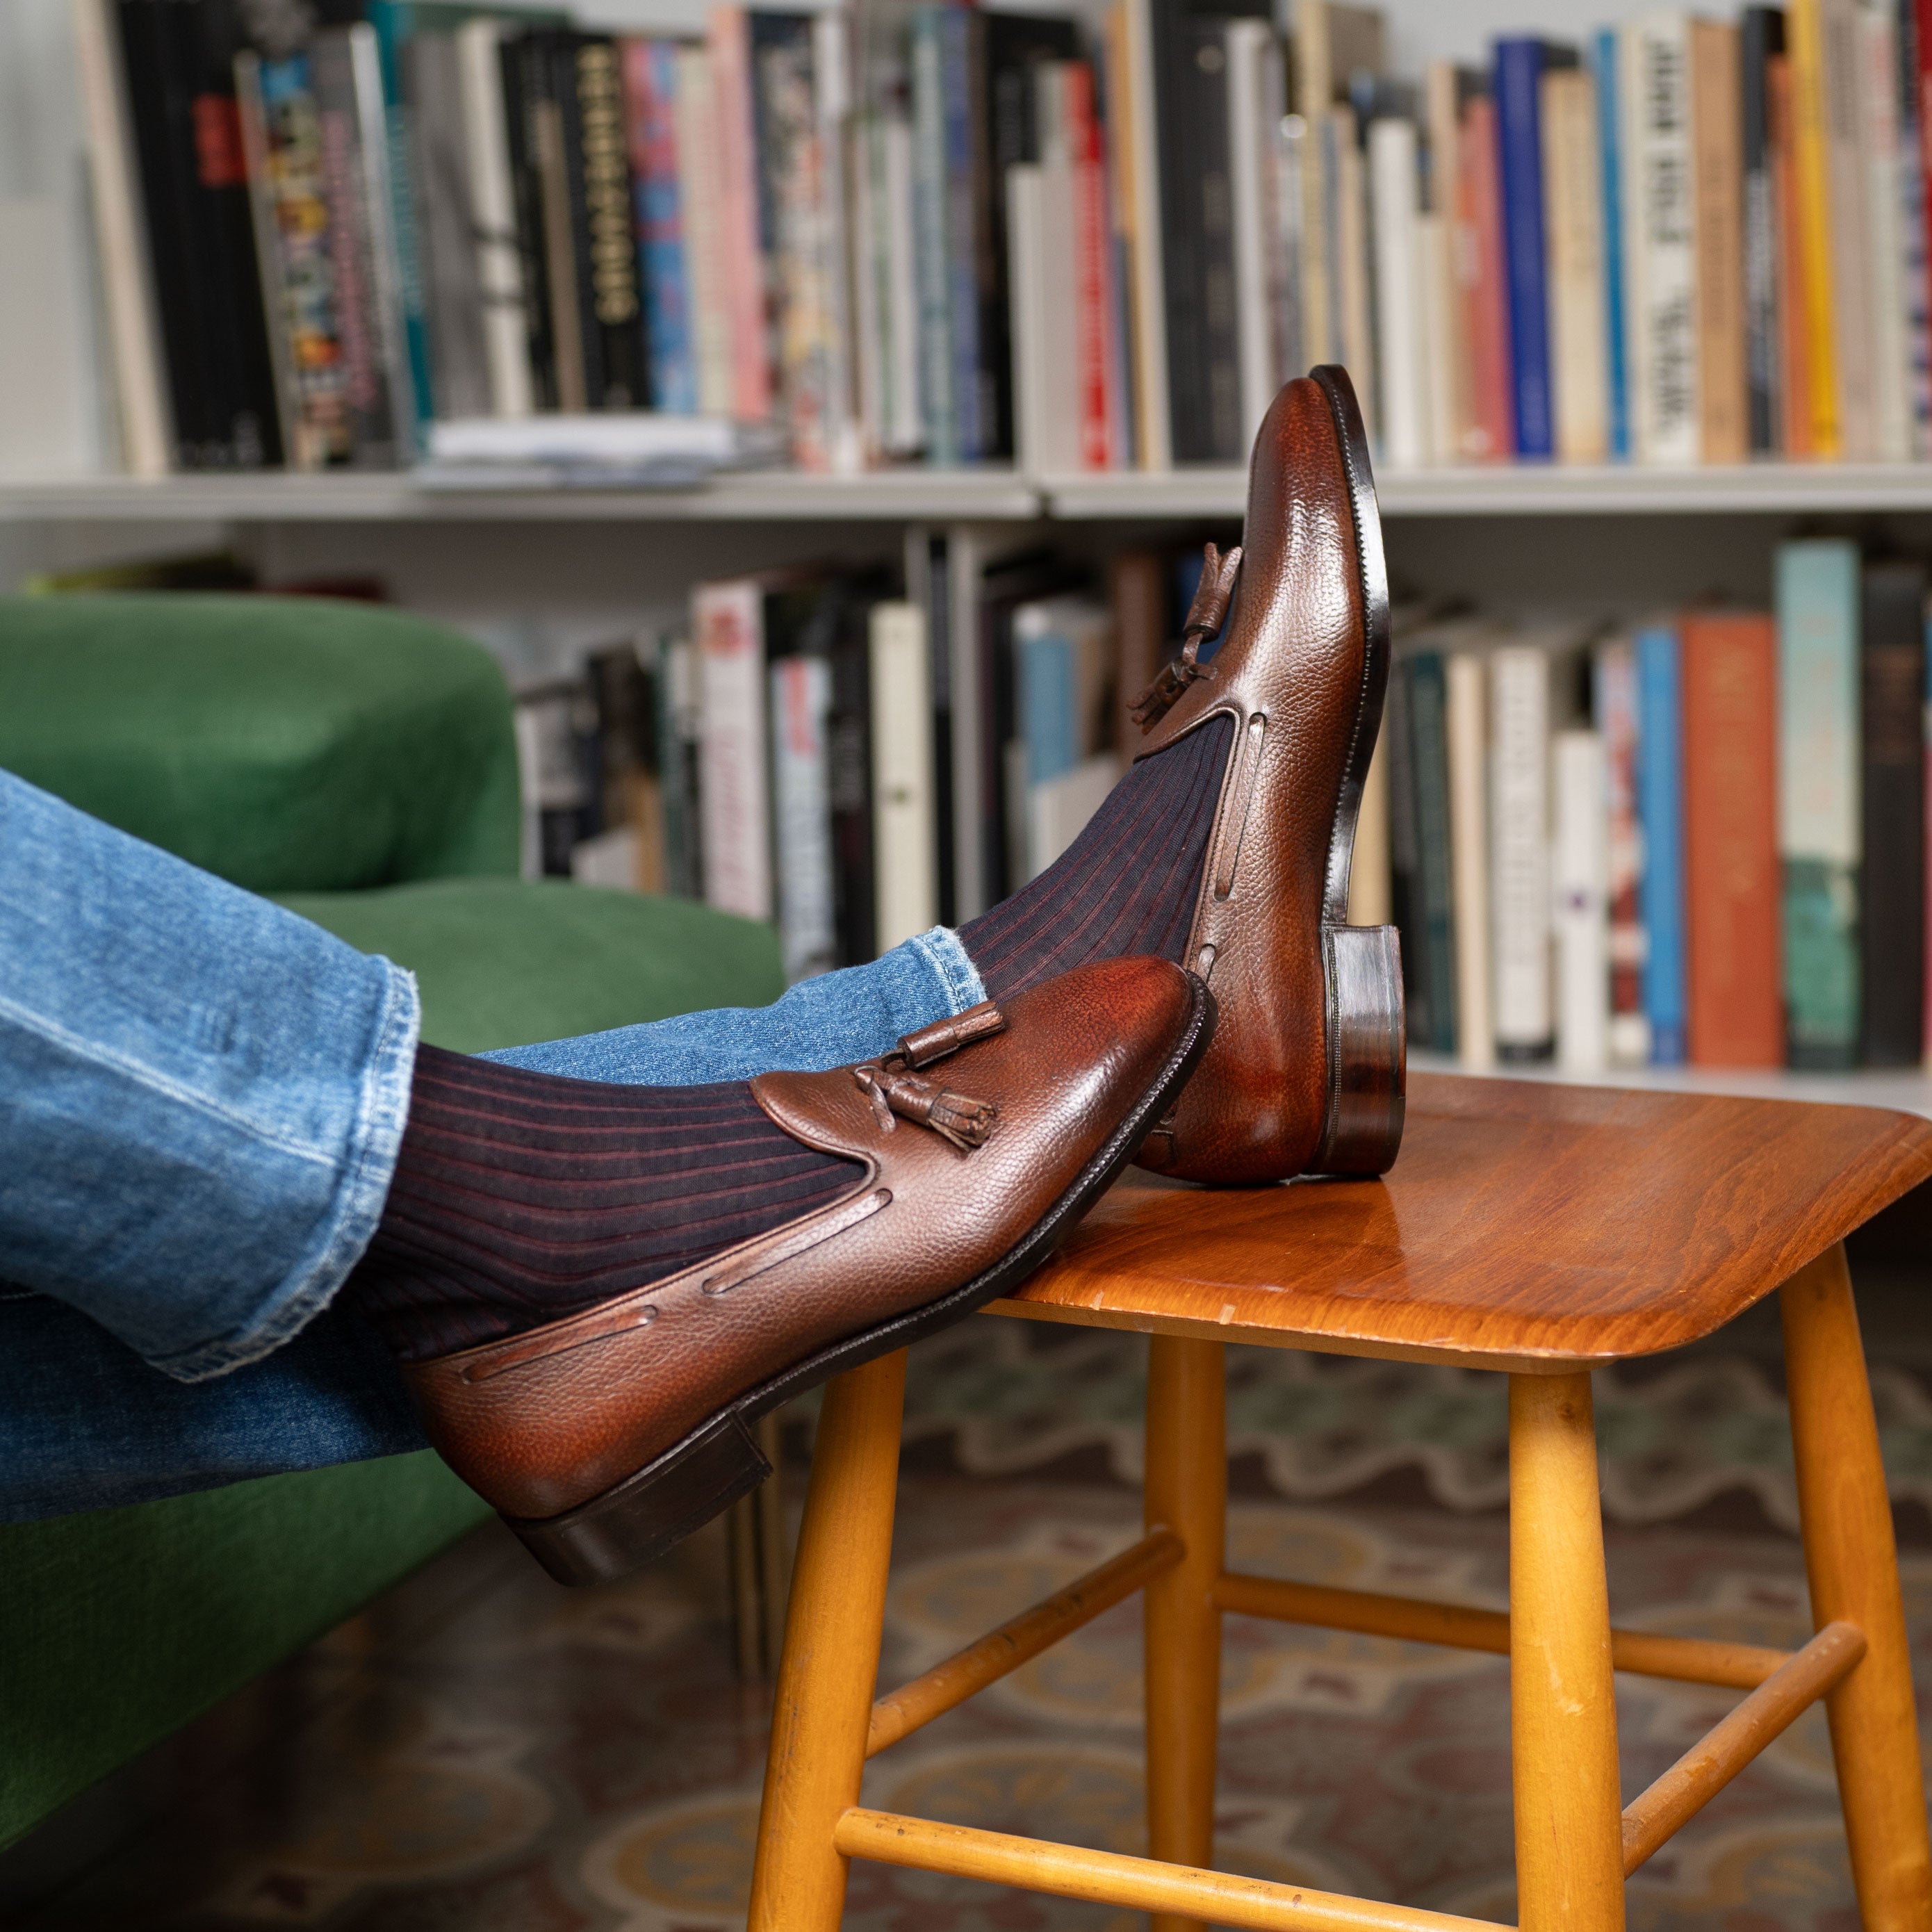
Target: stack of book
1699	840
922	230
852	764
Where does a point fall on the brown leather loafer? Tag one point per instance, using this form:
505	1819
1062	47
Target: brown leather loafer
1305	1073
605	1437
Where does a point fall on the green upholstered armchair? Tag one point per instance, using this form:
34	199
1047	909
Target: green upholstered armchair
357	764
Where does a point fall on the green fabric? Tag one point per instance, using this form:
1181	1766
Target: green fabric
121	1624
505	962
288	744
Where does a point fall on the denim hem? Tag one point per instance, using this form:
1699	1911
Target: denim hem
369	1165
958	977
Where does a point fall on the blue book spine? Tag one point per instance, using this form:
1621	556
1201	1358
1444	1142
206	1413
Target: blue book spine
1048	723
661	229
962	254
1610	162
929	250
1659	794
394	22
1518	70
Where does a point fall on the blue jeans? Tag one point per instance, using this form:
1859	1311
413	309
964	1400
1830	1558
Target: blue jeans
201	1096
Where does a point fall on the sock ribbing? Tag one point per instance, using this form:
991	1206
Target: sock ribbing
1126	885
519	1197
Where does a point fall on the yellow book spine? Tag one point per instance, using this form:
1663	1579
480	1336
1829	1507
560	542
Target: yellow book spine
1805	37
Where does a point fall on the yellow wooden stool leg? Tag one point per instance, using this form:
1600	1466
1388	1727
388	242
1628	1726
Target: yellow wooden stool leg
830	1667
1187	1492
1563	1711
1853	1567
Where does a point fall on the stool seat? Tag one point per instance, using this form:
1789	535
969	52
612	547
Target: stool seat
1525	1227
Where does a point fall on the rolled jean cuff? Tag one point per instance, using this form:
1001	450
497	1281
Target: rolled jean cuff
349	1222
958	978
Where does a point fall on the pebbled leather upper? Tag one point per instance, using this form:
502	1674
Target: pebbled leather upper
1293	672
540	1422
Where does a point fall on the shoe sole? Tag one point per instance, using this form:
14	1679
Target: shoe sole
1361	965
637	1519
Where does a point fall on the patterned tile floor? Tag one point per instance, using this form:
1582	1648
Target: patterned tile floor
481	1750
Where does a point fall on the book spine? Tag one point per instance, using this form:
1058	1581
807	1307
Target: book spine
1032	326
1099	371
1663	256
960	124
1717	158
375	147
1892	673
1466	739
849	762
1879	134
447	225
906	411
1614	706
393	24
1355	319
1572	211
1519	849
121	244
603	224
651	73
1660	813
1794	351
1440	945
801	703
680	733
728	38
1406	901
1847	165
550	152
1250	216
521	58
1915	262
1519	67
1451	386
1582	928
1393	177
904	829
701	203
831	111
727	626
1612	228
1811	209
1761	39
500	262
937	363
1735	1013
1819	794
1486	314
1140	198
1371	892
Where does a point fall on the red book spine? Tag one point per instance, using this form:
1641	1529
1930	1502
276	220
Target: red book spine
1486	283
1093	241
729	35
1731	880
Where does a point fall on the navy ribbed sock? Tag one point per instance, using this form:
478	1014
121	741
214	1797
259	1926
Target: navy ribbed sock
1126	885
519	1197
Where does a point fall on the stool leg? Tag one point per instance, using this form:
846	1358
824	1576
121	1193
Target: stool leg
1853	1564
1186	1490
1563	1711
830	1667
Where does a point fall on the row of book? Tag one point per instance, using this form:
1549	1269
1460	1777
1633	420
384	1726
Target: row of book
1700	840
854	754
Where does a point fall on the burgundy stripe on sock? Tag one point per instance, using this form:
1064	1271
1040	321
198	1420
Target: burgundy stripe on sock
1126	885
519	1197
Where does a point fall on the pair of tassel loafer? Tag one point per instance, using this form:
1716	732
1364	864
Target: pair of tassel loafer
1276	1050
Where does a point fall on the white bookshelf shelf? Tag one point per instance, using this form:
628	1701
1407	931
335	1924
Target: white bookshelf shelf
991	495
1906	1090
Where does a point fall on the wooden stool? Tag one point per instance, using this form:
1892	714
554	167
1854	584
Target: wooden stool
1539	1230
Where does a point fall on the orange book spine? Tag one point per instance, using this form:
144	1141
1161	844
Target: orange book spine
1793	351
1731	879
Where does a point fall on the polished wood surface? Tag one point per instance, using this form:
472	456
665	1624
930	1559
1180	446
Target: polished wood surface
1710	1764
1186	1493
1168	1892
830	1664
1563	1705
1852	1564
1525	1226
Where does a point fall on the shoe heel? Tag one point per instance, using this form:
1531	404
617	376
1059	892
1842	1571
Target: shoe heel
1367	1050
635	1522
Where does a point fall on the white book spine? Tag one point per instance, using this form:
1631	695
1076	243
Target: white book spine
1392	190
1438	322
133	321
1580	871
1520	848
728	630
1356	314
700	188
1662	199
1891	377
1057	277
384	248
499	265
1250	197
801	698
1026	266
1466	729
869	296
906	420
1847	155
1573	251
1152	428
831	46
905	851
1371	898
